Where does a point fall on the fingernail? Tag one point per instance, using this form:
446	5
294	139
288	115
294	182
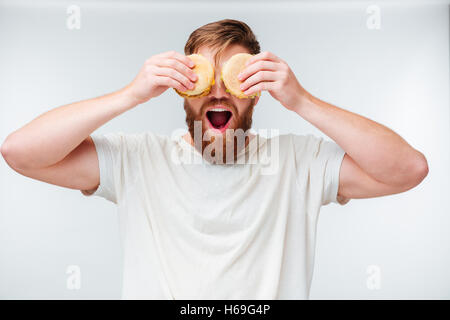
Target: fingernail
240	76
241	86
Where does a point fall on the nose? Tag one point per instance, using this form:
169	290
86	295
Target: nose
218	90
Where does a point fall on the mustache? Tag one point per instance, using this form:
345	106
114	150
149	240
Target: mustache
217	102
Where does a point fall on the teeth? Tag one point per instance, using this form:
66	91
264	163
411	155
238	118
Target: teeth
217	109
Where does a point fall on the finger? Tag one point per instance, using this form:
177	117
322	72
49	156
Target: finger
260	76
257	66
177	65
266	85
266	55
170	82
180	57
174	74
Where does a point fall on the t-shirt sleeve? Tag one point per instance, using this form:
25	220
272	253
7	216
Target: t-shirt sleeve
112	152
319	161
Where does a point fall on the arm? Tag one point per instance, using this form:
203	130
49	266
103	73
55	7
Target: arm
377	160
56	147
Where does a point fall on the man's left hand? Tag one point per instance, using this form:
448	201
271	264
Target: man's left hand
265	71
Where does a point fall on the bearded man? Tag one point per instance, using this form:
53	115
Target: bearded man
216	229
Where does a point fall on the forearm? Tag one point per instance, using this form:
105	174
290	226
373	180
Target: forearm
378	150
50	137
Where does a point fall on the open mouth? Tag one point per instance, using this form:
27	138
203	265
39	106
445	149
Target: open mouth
219	118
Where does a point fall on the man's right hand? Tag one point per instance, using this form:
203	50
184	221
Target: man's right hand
160	72
56	147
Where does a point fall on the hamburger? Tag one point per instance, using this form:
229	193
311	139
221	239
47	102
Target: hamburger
230	71
205	77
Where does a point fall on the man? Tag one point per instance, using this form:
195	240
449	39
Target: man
202	230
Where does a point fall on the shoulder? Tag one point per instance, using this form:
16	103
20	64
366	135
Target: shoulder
298	142
308	147
130	141
310	143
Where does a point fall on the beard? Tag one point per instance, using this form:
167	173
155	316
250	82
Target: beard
224	147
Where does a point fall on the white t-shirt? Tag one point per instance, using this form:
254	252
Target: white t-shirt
191	229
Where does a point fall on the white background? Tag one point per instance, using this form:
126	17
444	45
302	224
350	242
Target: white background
397	75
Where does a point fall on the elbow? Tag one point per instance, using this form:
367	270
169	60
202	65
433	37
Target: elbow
419	170
10	154
5	150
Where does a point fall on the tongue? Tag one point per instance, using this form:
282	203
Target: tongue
218	118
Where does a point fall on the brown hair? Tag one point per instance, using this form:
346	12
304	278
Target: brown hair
220	34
